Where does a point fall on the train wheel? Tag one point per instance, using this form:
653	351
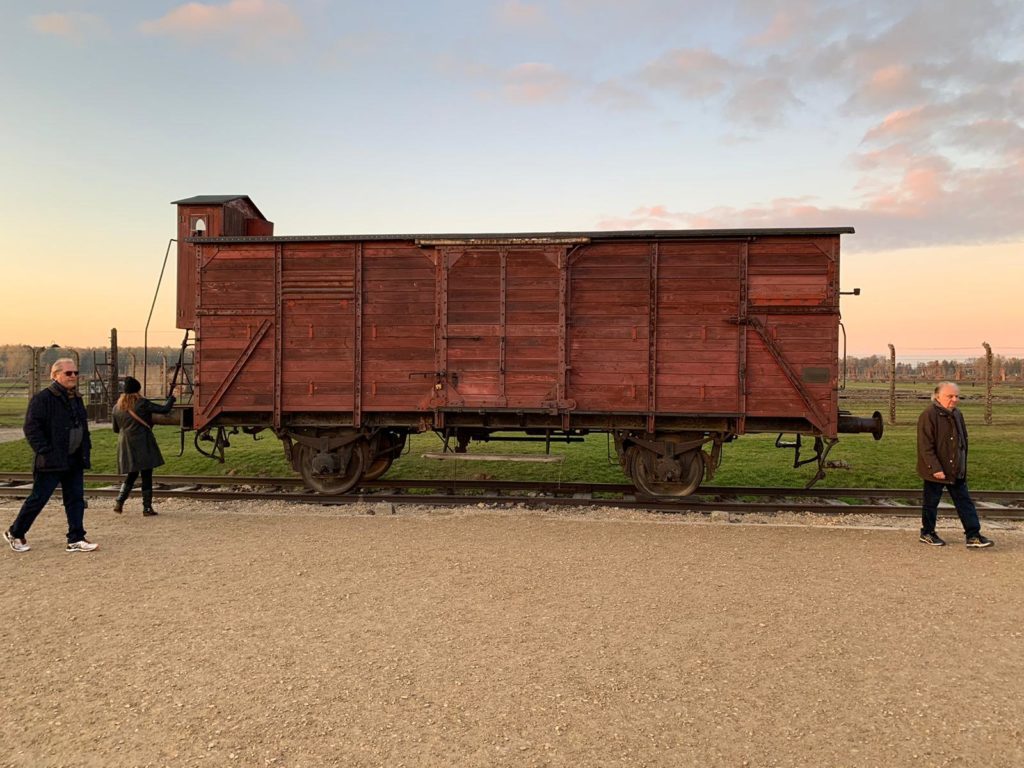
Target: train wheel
323	473
390	444
659	477
378	467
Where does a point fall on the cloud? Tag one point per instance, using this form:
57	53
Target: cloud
247	25
939	87
782	28
998	137
762	102
77	27
750	94
535	83
931	203
515	14
888	86
694	73
352	50
619	96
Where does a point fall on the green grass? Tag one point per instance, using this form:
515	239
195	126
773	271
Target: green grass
751	460
12	409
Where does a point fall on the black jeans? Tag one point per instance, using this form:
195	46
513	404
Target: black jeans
961	500
147	487
72	487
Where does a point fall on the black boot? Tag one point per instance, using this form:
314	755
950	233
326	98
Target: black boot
122	497
147	503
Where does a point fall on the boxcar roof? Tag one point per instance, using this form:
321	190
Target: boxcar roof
216	200
547	237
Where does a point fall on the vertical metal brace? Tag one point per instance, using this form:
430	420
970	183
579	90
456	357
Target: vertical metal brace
278	332
503	254
357	352
652	341
441	330
742	340
197	370
562	260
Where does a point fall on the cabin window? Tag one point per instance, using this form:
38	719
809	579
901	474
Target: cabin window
197	225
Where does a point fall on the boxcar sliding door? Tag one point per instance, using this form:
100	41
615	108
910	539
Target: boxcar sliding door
500	325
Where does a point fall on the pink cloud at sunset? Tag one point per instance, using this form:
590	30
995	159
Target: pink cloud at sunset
246	22
534	83
516	14
77	27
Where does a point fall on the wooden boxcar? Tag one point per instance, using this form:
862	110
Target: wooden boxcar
673	341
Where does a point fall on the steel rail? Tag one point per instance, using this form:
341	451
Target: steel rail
883	502
1010	496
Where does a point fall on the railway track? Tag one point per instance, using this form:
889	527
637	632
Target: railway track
993	505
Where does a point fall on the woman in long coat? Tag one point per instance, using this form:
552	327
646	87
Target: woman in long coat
137	450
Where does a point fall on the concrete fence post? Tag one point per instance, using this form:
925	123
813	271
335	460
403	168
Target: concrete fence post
988	382
892	384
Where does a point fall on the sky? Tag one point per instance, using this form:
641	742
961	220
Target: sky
904	120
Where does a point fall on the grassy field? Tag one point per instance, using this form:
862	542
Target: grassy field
13	399
996	450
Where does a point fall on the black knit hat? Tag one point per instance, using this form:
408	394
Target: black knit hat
131	386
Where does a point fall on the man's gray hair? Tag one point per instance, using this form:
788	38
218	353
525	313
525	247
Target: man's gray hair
941	386
59	365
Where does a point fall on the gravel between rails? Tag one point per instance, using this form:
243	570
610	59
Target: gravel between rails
279	635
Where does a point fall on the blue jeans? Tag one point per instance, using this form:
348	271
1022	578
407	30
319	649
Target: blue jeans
961	500
72	486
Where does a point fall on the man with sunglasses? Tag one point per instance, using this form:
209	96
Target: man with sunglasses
58	432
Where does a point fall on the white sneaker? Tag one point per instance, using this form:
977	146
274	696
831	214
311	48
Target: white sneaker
18	545
81	546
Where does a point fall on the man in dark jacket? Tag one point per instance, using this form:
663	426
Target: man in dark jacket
942	463
58	432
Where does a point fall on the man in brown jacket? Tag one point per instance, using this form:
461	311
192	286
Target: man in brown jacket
942	463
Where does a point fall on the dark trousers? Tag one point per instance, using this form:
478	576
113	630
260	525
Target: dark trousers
72	488
147	487
961	500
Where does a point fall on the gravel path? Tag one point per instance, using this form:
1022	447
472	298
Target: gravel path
272	635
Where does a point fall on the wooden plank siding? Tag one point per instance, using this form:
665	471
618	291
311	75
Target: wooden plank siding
235	290
501	326
399	318
609	320
697	345
787	277
724	328
318	327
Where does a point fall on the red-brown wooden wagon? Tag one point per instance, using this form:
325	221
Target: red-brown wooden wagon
672	341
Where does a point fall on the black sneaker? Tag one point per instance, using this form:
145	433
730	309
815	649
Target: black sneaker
933	539
979	541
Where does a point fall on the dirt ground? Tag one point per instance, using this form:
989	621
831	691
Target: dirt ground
235	634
